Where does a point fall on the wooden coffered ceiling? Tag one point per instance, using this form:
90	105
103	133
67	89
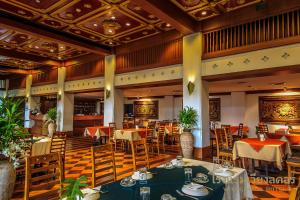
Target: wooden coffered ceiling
49	32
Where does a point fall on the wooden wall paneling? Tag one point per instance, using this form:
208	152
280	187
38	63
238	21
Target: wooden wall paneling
17	83
46	77
270	31
166	53
85	70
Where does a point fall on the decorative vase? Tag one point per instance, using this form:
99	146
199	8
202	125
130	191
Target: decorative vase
187	144
51	129
8	179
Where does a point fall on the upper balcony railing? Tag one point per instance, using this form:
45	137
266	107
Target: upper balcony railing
263	33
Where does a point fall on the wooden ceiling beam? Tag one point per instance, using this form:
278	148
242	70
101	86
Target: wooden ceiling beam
47	35
18	71
169	13
24	56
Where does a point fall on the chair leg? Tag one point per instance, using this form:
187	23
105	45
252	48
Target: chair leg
289	168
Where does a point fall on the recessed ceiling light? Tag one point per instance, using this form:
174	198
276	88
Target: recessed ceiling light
113	17
51	50
37	1
204	12
61	47
168	25
110	42
36	47
95	24
59	57
110	31
128	24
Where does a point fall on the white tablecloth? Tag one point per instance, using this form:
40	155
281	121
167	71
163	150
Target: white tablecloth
237	189
41	147
127	135
271	153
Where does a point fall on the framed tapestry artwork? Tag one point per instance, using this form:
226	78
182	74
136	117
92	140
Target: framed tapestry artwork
146	109
284	110
215	109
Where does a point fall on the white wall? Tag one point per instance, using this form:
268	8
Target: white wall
168	107
251	116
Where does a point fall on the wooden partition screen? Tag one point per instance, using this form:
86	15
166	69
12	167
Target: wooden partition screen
46	77
85	70
17	83
167	53
263	33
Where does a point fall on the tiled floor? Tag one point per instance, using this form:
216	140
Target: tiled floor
78	163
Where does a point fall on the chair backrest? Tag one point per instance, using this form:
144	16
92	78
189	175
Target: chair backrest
103	165
175	128
112	128
221	138
149	132
228	139
161	128
58	145
140	155
226	126
240	130
125	125
263	128
43	177
152	124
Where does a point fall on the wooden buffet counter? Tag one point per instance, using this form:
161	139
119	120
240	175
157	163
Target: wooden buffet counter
81	122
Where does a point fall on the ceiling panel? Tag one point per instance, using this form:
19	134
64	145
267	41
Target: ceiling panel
204	9
10	39
18	63
109	22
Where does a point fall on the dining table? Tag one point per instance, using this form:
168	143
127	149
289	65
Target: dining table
41	146
97	131
271	150
130	134
292	139
167	181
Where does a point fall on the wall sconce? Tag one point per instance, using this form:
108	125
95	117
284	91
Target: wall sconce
190	87
107	93
59	96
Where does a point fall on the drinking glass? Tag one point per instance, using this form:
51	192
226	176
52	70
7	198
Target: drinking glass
145	193
167	197
188	173
143	175
179	161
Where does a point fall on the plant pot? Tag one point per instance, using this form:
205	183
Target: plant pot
51	129
8	179
187	144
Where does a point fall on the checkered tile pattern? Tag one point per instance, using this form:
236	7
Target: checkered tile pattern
78	163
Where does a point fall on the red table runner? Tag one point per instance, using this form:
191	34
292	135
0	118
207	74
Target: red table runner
92	130
257	145
294	139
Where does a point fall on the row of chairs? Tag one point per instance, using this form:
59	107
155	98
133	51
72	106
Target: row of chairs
44	174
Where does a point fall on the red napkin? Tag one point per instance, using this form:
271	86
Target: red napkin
257	145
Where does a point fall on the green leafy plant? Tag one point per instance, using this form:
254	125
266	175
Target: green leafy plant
12	131
52	114
188	118
72	189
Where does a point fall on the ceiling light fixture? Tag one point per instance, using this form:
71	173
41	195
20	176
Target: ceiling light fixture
113	17
36	47
110	26
168	25
127	24
95	24
204	12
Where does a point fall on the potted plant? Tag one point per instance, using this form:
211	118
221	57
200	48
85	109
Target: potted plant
52	114
12	144
188	120
72	190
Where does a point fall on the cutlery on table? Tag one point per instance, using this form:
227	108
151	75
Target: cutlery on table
185	195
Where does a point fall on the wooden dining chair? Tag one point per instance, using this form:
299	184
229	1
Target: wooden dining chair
43	177
223	152
140	154
58	145
293	166
263	128
158	142
103	165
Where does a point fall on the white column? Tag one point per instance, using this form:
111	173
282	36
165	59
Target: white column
29	101
119	107
109	84
238	107
199	99
65	104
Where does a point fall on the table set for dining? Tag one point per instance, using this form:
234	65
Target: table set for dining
192	180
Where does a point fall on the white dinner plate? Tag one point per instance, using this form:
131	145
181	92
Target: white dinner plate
193	190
